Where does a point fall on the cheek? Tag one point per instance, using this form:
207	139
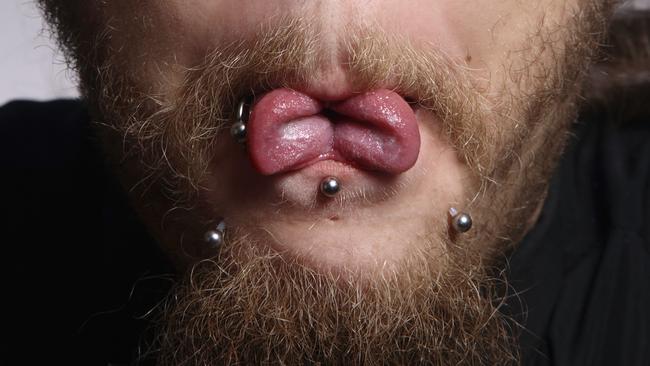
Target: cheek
485	35
181	31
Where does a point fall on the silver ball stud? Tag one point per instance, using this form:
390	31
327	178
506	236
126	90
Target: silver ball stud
214	238
238	131
462	222
330	187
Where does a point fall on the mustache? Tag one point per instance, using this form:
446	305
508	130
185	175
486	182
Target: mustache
291	53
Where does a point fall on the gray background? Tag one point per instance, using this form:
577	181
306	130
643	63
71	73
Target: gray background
30	65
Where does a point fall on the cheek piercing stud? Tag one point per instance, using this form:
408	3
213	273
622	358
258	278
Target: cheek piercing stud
460	221
330	187
214	238
238	129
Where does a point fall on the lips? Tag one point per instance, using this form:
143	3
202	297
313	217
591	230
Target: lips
375	131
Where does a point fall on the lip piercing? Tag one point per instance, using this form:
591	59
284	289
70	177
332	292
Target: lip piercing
460	221
238	129
330	187
214	238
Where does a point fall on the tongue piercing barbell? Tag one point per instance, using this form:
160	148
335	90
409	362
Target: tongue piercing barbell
238	129
214	238
330	187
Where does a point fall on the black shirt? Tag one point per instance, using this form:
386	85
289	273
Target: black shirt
80	271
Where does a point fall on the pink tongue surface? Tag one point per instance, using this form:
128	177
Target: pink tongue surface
289	130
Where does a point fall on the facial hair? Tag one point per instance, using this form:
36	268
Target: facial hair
252	305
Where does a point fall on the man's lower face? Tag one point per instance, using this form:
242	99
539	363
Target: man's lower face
414	109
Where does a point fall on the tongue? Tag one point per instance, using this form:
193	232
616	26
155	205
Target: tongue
375	131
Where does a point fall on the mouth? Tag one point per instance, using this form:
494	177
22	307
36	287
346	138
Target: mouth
295	141
376	131
383	152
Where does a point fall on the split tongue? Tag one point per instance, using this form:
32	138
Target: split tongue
289	130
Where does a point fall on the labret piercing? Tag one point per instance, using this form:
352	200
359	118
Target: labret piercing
460	221
214	238
330	187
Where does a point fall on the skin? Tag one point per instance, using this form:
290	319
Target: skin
161	39
493	86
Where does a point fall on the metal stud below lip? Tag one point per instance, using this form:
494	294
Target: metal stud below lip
330	187
461	222
214	238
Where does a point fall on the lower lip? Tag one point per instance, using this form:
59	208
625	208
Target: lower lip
333	168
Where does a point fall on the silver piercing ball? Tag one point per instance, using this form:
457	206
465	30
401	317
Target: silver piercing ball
214	238
330	187
238	132
461	222
238	129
